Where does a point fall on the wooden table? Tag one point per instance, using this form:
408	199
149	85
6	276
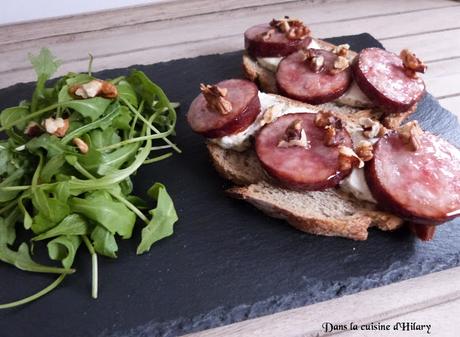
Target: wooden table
176	29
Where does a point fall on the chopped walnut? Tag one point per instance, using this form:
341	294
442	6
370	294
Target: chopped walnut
410	133
340	64
341	49
94	88
295	135
328	121
372	128
349	159
82	146
56	126
412	64
33	129
314	60
332	137
268	115
298	32
215	98
365	150
326	118
393	121
282	25
109	90
88	90
317	62
356	116
382	132
294	29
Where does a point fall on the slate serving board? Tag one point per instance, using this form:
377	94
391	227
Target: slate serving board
227	261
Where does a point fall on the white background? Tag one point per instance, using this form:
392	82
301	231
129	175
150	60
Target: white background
25	10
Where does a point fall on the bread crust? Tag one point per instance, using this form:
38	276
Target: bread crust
259	75
255	187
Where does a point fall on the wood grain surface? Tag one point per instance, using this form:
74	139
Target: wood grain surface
432	299
176	29
169	30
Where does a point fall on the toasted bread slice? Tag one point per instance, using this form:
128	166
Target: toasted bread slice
329	212
266	81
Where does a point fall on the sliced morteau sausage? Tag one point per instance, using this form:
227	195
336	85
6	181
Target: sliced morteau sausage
225	108
277	39
312	76
387	81
303	162
420	183
423	232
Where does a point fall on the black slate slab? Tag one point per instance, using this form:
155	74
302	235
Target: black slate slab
227	262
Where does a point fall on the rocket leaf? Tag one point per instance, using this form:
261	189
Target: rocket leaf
163	218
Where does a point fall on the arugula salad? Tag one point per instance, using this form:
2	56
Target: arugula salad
66	167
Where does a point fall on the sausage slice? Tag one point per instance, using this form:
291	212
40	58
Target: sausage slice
265	41
421	185
313	168
381	75
296	78
245	106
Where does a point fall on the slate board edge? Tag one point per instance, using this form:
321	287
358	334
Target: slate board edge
222	316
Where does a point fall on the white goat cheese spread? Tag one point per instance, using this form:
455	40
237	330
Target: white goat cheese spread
356	185
354	97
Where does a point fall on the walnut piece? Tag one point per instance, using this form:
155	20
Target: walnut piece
294	29
340	64
412	64
365	150
341	49
268	116
326	118
298	32
348	159
332	137
56	126
215	98
295	135
328	121
82	146
317	62
372	128
94	88
314	60
410	133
